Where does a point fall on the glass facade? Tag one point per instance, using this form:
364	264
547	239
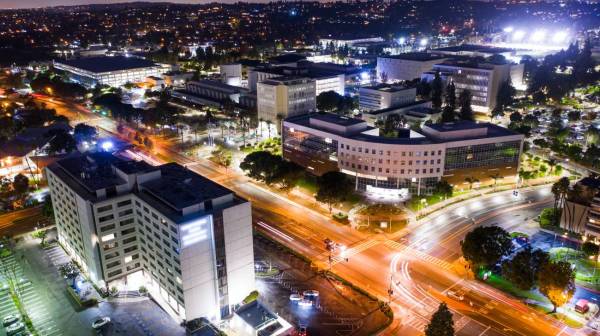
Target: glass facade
485	155
317	147
427	184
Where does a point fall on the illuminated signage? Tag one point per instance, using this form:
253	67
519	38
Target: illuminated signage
194	231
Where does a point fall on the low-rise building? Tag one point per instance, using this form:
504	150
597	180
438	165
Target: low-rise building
383	96
374	116
325	80
215	93
127	223
411	163
407	66
111	71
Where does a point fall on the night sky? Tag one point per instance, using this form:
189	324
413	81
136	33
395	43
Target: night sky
4	4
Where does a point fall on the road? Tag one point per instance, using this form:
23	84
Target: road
21	221
418	263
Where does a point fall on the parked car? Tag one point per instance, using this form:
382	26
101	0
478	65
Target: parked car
311	293
15	328
295	297
10	319
100	322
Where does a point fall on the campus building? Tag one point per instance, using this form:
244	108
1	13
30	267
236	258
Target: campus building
127	223
483	80
283	97
406	66
383	96
112	71
411	163
325	80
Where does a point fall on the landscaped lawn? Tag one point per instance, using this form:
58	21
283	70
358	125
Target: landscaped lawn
507	287
586	270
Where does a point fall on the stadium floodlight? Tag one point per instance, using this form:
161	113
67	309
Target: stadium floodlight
560	36
423	42
538	36
401	40
518	35
508	29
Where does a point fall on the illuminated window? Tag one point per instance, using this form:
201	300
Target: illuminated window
108	237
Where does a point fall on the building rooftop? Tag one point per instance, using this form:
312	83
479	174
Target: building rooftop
256	315
387	88
415	56
357	129
287	58
394	108
107	63
179	187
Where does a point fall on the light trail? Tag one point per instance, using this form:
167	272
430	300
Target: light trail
275	231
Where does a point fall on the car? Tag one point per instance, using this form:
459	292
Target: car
311	293
302	330
100	322
295	297
10	319
15	328
305	303
455	295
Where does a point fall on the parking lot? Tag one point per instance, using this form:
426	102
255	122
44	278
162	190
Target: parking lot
337	310
54	312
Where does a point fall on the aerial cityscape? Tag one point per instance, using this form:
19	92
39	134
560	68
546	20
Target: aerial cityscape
300	168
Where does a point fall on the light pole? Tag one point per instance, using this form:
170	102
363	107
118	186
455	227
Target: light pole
390	290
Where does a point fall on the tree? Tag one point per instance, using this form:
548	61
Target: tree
333	187
441	323
328	101
523	268
443	188
559	189
516	117
436	91
221	156
556	282
83	132
20	184
263	166
496	177
61	142
471	180
484	246
464	101
590	249
450	96
592	135
48	209
506	94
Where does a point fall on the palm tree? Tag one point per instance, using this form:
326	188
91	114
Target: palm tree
260	121
471	180
279	122
496	177
552	162
269	123
559	189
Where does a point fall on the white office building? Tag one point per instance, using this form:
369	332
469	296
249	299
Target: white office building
231	74
482	80
110	70
406	66
283	97
185	238
384	96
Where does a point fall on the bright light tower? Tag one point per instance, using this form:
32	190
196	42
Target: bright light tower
508	29
538	36
518	35
401	40
423	42
560	36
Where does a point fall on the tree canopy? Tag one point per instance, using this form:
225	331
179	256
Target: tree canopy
522	270
333	187
485	246
441	323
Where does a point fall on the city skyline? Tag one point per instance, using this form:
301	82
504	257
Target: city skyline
25	4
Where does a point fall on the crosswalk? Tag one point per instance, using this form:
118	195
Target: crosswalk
419	254
354	250
31	298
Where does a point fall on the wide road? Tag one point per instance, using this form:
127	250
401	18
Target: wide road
419	263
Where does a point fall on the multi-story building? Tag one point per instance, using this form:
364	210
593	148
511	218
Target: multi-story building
284	97
411	163
184	237
324	80
483	80
111	71
231	74
215	93
383	96
406	66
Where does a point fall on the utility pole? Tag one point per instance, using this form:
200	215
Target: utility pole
390	290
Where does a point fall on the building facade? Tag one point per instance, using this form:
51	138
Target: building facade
112	71
482	80
379	97
398	167
406	66
188	238
284	97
